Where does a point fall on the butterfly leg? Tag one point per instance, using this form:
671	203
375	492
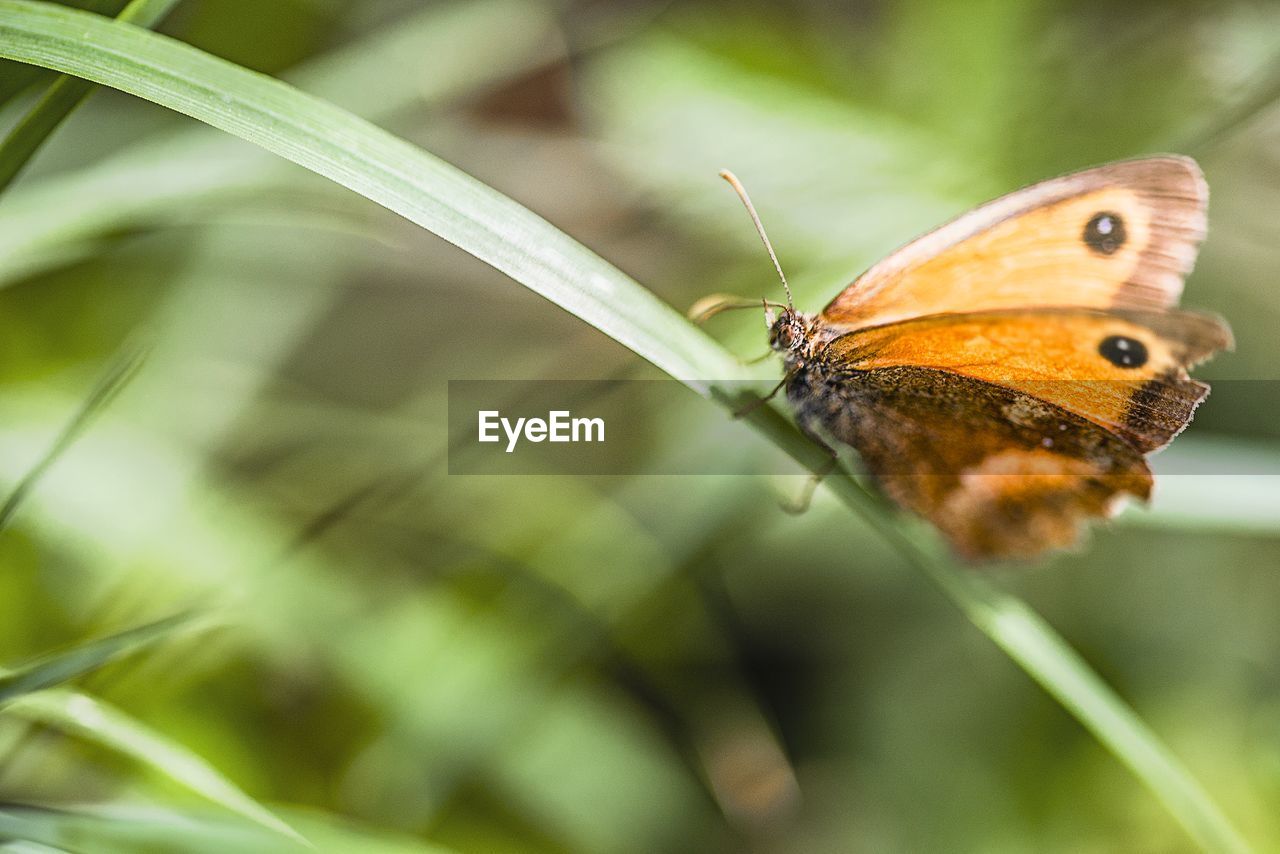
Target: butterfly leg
802	501
753	405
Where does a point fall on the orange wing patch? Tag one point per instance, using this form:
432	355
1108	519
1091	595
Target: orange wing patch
1007	484
1124	372
1119	236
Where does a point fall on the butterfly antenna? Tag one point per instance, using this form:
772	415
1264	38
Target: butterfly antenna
746	201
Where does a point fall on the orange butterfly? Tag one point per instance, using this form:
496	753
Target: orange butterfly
1005	375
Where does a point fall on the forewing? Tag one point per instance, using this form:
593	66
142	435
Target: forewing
1036	248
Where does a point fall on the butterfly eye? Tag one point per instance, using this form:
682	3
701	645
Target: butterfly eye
785	331
1123	352
1104	233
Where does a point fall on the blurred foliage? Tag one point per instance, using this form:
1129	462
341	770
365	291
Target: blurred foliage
407	660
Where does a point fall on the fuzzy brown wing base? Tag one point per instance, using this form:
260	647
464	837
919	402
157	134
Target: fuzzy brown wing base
1000	473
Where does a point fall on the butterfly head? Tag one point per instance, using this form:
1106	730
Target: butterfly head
791	334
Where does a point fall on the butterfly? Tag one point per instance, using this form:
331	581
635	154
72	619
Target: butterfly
1006	375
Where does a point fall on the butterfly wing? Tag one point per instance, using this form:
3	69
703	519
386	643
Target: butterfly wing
1122	235
1123	371
1004	375
970	456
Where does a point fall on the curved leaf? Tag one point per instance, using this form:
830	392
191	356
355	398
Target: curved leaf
58	667
96	721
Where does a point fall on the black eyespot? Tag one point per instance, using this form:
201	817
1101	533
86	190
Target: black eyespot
1123	352
1105	233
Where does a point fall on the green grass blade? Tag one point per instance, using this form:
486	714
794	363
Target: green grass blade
129	829
369	161
496	230
443	53
15	77
93	720
122	831
62	97
119	371
56	668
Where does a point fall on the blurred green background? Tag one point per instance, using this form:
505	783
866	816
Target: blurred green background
609	663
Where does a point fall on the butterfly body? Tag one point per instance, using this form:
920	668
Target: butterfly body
1005	376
